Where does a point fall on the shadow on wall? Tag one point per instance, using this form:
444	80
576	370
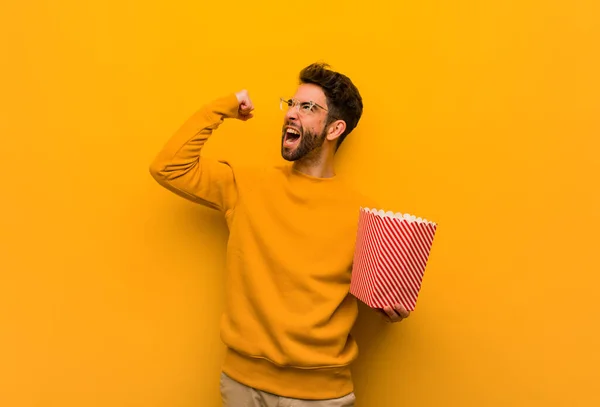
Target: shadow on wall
370	332
200	236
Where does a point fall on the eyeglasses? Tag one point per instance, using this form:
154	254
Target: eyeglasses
303	108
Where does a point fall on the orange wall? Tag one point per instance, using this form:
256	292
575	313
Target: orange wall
483	116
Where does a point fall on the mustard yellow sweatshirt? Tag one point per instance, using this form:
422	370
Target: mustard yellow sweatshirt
288	312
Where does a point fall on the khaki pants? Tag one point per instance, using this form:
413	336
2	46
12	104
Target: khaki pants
235	394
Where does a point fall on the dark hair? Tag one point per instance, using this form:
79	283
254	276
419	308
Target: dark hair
343	99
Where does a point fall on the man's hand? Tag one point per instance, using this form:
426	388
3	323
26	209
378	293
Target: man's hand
396	313
245	105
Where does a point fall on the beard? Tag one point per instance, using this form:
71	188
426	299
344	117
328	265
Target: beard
309	144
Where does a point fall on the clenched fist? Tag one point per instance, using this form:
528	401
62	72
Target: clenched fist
245	105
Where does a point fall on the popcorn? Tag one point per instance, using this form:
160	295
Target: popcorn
390	257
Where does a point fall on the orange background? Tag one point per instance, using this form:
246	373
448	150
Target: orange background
483	116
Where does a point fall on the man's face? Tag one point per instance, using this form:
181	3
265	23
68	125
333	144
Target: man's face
304	129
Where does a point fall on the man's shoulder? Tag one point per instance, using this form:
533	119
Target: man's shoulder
365	200
353	196
254	172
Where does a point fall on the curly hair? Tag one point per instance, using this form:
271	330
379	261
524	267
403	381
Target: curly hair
343	99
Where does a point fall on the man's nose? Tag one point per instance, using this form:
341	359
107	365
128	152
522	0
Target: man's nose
291	114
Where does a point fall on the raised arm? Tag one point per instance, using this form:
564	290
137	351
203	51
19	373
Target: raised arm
179	166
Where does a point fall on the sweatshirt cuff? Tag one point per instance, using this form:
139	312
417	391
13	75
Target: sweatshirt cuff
227	105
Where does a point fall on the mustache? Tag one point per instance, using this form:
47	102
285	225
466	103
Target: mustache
287	124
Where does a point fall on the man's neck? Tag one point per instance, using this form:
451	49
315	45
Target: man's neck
315	171
318	167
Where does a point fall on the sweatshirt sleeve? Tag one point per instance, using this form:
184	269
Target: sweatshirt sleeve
179	167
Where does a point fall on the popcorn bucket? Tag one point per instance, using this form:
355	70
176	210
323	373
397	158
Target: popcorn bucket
390	257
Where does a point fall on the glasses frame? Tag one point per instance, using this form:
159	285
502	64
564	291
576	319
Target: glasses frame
295	103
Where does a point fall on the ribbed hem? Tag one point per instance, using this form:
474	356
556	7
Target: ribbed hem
309	384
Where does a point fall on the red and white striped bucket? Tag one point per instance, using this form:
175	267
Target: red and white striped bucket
390	257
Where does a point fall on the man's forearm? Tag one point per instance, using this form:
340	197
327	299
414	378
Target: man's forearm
178	166
182	151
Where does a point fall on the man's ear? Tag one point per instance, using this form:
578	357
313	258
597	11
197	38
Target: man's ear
336	129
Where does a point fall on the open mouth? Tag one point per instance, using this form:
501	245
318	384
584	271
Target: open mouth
291	137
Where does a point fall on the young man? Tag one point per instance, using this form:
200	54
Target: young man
288	312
